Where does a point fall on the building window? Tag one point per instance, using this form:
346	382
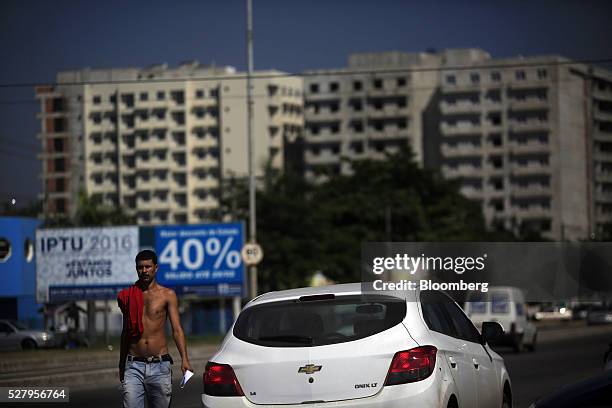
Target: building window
199	94
58	145
401	82
520	75
144	96
451	80
314	88
542	73
161	95
334	87
378	83
59	165
475	78
357	85
495	76
97	99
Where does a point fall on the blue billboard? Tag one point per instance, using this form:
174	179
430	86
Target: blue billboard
201	259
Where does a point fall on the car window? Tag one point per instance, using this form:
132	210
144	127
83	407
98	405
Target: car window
315	323
5	328
500	303
477	303
436	318
463	326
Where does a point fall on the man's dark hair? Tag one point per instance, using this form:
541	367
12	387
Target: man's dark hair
147	255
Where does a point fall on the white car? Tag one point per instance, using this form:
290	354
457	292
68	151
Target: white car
337	347
505	305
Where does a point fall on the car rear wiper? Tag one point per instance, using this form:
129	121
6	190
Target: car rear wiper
288	338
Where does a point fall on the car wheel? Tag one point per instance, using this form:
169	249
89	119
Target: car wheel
507	400
531	347
518	344
28	344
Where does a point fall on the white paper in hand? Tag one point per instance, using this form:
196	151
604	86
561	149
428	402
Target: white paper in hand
188	374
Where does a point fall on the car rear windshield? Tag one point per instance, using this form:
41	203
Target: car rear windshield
300	323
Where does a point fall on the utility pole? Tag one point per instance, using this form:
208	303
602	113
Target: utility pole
251	147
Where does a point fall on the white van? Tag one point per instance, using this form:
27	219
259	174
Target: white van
505	305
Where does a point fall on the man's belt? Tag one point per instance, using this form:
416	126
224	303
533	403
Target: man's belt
151	359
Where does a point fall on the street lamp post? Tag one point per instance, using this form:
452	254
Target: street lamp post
251	145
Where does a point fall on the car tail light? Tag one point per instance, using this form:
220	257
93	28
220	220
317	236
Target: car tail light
220	381
412	365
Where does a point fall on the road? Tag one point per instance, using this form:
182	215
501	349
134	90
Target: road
564	355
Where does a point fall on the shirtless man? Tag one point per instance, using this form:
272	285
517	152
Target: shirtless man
144	362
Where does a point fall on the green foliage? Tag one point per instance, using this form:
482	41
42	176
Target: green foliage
304	228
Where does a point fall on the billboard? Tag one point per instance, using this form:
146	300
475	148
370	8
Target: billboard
201	259
84	263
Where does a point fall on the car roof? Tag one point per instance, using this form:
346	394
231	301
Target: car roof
340	289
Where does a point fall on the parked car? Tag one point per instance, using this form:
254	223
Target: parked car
505	305
554	312
337	347
14	335
593	392
599	315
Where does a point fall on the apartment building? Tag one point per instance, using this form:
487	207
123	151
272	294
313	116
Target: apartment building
366	110
159	141
516	131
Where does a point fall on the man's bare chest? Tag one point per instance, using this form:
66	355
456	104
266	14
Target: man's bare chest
154	307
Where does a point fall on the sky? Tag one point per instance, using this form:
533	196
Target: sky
40	38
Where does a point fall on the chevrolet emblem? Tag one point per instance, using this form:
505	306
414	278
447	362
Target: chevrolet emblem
309	369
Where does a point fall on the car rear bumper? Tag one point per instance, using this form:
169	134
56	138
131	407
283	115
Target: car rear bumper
432	392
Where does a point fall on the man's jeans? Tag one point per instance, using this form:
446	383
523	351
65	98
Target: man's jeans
151	379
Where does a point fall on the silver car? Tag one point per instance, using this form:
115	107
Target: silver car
14	335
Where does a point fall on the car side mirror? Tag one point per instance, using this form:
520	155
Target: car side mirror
491	331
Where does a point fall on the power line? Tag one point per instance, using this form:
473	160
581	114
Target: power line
323	72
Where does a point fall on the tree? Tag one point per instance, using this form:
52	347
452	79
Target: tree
304	228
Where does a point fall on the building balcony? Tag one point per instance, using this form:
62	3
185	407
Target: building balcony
388	133
324	115
207	182
531	84
530	191
325	157
600	136
602	95
204	143
529	126
602	115
466	150
603	196
532	147
533	168
462	128
462	171
529	104
599	156
603	177
460	107
208	161
324	135
205	122
461	88
533	212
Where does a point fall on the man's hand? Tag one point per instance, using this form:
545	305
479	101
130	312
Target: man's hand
186	366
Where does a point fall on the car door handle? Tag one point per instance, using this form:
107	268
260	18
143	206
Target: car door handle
452	362
476	365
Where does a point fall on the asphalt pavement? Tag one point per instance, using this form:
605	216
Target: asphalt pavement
566	353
